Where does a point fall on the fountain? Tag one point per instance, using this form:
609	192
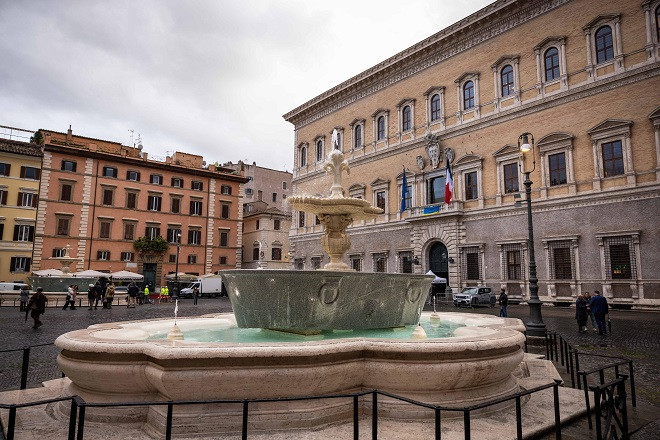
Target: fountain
298	333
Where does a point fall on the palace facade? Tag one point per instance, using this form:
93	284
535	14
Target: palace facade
581	76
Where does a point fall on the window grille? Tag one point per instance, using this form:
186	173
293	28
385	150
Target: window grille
562	261
620	261
405	262
471	268
380	263
356	263
316	263
512	261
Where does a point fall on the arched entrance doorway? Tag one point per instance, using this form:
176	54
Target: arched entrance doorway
439	260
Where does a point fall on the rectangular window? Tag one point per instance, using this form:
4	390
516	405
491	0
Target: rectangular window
224	239
248	191
153	203
356	263
380	200
557	165
405	262
108	196
27	199
620	260
513	265
68	165
175	205
156	179
192	259
561	261
510	178
274	197
194	236
256	225
173	235
255	254
317	220
19	264
3	197
197	185
177	182
127	256
59	252
23	233
408	197
471	192
30	173
276	224
223	260
380	263
133	176
316	263
4	169
66	189
276	254
110	172
612	159
301	219
104	229
471	266
195	207
2	230
284	185
103	255
131	200
224	211
226	190
63	226
436	190
172	258
129	231
152	232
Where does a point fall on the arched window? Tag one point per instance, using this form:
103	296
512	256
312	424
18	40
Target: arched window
303	156
319	150
358	136
435	108
551	64
604	44
468	95
507	80
406	119
381	128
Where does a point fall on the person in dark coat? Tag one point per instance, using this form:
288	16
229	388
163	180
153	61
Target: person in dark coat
91	295
37	305
581	313
98	294
600	309
504	302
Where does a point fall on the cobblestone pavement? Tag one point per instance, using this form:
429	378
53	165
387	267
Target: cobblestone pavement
635	334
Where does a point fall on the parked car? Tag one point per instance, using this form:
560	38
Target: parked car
478	296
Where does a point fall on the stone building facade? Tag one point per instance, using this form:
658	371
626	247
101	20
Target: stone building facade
20	170
98	196
582	76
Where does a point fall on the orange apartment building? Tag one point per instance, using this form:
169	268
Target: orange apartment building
98	197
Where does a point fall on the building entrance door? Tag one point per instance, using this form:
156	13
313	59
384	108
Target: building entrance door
439	260
149	272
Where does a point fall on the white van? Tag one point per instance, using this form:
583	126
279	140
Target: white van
11	287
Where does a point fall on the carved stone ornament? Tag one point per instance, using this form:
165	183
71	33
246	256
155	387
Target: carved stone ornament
420	162
449	152
433	150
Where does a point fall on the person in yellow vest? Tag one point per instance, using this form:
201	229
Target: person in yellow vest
146	294
165	293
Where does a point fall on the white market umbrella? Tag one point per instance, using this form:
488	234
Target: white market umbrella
125	275
437	279
182	276
48	273
90	274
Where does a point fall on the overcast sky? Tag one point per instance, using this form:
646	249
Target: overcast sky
211	77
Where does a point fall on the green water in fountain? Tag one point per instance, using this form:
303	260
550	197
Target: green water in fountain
235	335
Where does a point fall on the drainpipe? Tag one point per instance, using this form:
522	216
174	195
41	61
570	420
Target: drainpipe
91	230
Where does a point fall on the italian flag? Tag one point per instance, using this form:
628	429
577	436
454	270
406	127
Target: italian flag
449	184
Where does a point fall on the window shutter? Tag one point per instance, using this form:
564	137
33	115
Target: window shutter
2	230
16	232
138	175
191	207
157	232
12	265
34	200
22	172
19	200
4	197
31	233
146	231
37	174
7	169
128	174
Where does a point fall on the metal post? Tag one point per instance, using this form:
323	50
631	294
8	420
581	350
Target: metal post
245	420
466	423
168	425
633	398
586	399
356	418
547	347
519	433
437	424
81	421
72	419
374	416
572	371
599	435
555	345
624	410
555	390
12	422
24	369
561	348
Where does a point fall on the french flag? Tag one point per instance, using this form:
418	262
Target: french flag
449	184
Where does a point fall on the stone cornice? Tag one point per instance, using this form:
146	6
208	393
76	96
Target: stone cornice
481	26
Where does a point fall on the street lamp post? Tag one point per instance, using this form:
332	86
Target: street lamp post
535	325
175	294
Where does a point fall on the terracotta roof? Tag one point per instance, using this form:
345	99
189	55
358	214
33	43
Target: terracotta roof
18	147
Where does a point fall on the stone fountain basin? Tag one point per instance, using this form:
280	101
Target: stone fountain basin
288	300
116	362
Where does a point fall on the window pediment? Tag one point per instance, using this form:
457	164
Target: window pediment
507	149
550	41
601	19
356	121
610	127
655	116
555	140
380	111
320	137
409	175
466	75
405	101
380	183
468	159
433	90
505	59
357	187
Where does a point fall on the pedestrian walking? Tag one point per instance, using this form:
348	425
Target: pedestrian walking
195	295
37	305
581	313
25	297
600	308
74	297
91	295
69	298
98	294
109	295
146	293
504	302
133	291
587	298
